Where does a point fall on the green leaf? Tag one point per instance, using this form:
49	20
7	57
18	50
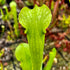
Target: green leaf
50	62
22	54
14	14
69	1
1	53
2	2
35	21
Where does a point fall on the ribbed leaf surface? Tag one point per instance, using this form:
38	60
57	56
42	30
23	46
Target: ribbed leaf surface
35	21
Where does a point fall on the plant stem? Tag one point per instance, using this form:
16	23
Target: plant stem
34	2
56	7
50	1
14	13
10	28
36	41
62	2
1	66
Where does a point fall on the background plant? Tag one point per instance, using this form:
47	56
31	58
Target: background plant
65	21
14	14
5	15
2	2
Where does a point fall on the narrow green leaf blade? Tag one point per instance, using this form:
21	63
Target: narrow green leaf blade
13	12
51	59
22	54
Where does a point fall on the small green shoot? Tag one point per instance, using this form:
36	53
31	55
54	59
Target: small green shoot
4	15
1	53
14	14
52	55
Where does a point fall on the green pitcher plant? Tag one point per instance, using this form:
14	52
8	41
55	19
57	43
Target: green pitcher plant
13	12
35	21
